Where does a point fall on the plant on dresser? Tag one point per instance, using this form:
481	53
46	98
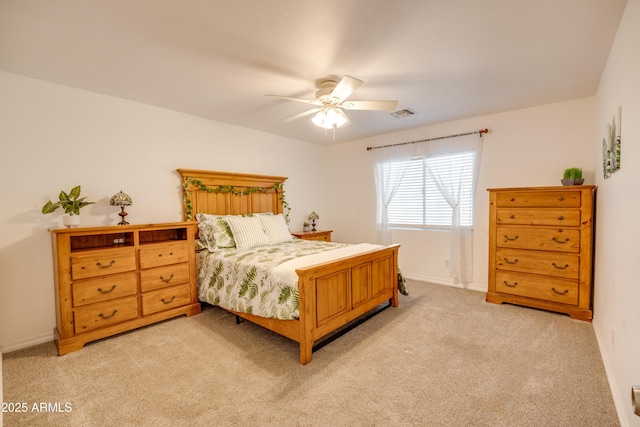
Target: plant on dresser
541	248
113	279
71	204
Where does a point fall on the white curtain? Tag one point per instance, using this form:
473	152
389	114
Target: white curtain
448	181
387	181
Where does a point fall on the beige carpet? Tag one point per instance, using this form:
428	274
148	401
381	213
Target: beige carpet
445	357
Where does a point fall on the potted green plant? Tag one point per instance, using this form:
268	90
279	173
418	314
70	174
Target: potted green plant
306	226
71	204
572	176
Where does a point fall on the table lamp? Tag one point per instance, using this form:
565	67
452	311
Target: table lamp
121	199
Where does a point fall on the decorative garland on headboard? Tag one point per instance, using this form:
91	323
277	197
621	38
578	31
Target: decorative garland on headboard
277	187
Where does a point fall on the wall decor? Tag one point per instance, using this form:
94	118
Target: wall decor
611	146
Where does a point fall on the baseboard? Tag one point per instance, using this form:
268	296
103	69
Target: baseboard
444	282
41	339
621	407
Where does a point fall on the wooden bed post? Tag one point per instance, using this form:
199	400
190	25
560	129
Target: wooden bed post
306	319
394	299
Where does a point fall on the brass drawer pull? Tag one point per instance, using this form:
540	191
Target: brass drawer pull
103	291
168	279
512	216
566	291
560	218
511	286
510	262
560	198
105	317
558	267
160	254
99	264
513	199
555	239
511	239
168	302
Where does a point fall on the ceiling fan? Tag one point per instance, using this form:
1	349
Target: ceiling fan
331	101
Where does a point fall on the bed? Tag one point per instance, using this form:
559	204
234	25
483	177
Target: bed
331	293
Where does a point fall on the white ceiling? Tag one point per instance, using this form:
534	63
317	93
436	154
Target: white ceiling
444	59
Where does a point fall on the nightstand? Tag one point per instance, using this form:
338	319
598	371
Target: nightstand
314	235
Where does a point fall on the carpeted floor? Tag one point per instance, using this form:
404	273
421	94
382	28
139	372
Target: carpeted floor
444	357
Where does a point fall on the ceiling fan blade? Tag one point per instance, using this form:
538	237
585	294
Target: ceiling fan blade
370	105
300	115
345	88
306	101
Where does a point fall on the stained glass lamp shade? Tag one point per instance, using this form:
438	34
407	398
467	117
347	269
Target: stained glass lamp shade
121	199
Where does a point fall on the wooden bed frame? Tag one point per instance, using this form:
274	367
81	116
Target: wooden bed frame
331	294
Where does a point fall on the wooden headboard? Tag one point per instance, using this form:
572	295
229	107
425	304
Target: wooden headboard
226	193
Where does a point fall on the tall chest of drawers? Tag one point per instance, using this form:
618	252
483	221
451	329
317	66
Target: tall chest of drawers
110	280
540	248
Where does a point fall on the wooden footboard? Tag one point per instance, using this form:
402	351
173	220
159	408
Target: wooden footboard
335	293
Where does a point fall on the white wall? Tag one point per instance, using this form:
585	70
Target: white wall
54	137
528	147
617	272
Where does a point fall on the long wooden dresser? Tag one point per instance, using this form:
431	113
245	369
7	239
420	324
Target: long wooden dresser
540	248
113	279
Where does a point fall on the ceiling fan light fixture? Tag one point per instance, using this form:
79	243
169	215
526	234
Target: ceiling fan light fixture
330	117
331	100
319	119
340	119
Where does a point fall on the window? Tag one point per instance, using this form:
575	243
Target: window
418	201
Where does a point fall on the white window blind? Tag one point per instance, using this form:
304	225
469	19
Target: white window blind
418	202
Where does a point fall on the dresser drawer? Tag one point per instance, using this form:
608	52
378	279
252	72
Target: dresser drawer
538	238
541	199
555	217
163	254
105	288
538	287
104	314
162	277
102	262
539	262
165	299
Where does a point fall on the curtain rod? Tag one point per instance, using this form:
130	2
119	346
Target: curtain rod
481	131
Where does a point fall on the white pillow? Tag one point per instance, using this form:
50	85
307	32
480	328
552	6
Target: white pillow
276	228
247	232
